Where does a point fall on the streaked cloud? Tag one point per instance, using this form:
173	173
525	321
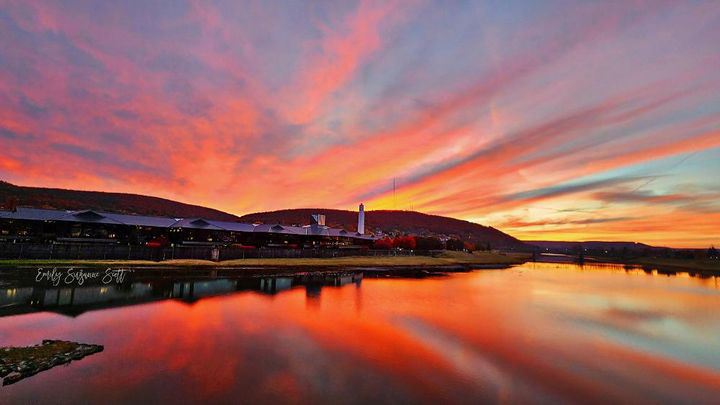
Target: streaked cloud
572	120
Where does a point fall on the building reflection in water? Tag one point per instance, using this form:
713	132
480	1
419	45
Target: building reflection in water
16	297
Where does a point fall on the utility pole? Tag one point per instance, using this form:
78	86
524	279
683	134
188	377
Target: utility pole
394	200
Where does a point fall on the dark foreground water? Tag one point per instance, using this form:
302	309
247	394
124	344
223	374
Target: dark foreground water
536	333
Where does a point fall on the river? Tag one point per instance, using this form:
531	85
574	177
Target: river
533	333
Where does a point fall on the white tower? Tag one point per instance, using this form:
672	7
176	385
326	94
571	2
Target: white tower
361	220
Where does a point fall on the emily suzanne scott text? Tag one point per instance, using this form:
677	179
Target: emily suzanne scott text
70	276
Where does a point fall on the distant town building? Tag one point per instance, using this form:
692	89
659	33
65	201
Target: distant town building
96	227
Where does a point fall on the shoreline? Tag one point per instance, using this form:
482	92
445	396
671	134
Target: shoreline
711	268
662	265
445	259
445	262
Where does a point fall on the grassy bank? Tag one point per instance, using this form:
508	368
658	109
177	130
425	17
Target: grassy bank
443	259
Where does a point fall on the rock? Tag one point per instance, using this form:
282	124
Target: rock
12	378
38	358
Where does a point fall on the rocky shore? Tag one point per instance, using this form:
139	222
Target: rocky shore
17	363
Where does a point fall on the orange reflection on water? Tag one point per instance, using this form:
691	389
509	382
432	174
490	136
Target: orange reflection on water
538	333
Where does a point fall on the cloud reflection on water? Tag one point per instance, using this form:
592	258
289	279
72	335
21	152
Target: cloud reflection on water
538	333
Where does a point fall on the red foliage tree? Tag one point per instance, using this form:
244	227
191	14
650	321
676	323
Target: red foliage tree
404	242
383	244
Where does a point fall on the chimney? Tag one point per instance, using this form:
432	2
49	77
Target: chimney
319	219
361	220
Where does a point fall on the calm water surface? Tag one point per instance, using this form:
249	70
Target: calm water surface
536	333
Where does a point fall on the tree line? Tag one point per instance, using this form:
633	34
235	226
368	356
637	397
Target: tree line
428	243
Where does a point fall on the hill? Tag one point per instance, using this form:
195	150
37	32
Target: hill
589	245
552	244
391	222
394	222
55	198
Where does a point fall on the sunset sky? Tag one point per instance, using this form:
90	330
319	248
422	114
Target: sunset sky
546	119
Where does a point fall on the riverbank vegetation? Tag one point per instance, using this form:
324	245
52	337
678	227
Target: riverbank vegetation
699	260
703	265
